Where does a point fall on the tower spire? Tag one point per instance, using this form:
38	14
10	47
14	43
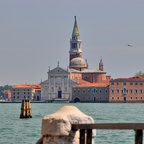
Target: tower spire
75	43
75	29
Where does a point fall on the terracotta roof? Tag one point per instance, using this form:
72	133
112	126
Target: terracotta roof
128	79
83	83
34	86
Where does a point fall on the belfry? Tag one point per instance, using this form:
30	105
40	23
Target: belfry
75	54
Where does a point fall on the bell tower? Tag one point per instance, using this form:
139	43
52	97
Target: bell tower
75	43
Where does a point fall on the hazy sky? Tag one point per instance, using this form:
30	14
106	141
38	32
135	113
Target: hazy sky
35	34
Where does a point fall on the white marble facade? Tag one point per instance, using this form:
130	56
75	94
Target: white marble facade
58	85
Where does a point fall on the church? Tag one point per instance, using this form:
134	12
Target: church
76	83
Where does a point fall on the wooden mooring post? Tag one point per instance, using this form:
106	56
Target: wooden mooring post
26	111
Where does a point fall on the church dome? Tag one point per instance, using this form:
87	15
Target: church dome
78	63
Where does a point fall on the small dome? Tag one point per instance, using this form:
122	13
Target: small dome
78	62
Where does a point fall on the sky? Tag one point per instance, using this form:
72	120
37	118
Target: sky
35	34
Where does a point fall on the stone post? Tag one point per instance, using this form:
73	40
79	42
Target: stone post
56	128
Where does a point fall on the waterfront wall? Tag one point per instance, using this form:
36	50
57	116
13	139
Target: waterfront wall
57	127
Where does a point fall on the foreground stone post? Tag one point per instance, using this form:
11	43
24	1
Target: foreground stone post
57	129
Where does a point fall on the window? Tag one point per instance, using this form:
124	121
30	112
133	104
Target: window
100	91
78	90
131	91
18	93
124	90
74	90
141	83
141	97
106	91
135	91
131	97
24	92
17	97
86	78
124	83
74	45
94	90
112	97
112	91
14	97
117	83
136	97
117	90
136	83
24	97
83	90
131	83
112	84
88	90
141	91
14	93
117	97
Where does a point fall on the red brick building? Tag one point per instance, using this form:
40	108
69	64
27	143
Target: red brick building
126	89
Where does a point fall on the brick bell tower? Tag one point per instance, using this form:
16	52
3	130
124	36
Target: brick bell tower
75	43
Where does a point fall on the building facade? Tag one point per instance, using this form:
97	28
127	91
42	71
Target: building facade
127	89
58	85
26	91
91	93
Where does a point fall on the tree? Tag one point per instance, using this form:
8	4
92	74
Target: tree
6	87
140	74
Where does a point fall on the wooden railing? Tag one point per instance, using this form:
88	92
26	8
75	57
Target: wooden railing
86	130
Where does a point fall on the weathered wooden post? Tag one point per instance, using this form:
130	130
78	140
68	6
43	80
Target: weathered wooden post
26	111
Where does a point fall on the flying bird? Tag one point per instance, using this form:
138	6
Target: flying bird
129	45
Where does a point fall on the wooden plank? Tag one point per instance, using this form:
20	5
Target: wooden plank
118	126
89	136
82	136
138	136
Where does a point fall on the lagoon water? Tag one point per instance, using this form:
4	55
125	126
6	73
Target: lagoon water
27	131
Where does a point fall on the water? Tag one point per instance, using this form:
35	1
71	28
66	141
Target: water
27	131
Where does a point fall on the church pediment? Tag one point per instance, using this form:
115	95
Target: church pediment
58	70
